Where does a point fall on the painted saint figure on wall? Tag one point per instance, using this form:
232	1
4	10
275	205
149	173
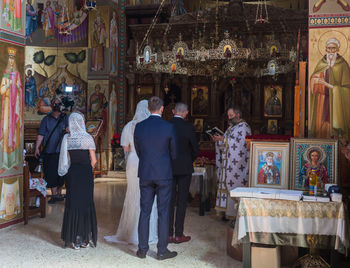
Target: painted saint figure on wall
31	20
48	20
98	104
113	104
12	14
99	37
330	95
11	114
200	103
273	105
113	36
30	90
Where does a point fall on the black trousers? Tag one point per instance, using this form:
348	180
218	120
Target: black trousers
181	187
51	171
148	189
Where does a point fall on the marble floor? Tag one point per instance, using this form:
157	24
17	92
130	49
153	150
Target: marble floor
38	244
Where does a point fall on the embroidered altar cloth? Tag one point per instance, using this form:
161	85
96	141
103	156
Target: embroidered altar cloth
284	222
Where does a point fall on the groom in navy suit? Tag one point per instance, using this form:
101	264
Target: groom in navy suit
155	144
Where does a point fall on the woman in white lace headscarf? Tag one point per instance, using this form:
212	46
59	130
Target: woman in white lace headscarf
77	160
128	224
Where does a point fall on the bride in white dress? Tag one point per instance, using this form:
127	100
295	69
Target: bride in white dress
128	225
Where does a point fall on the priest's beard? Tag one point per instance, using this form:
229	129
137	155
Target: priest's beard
331	58
233	121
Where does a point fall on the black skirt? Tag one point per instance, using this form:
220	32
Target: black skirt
79	221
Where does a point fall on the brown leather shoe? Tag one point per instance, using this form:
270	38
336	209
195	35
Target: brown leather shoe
181	239
171	239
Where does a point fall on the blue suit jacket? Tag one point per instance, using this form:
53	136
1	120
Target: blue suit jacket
155	144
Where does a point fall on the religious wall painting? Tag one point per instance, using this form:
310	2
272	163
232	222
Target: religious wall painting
98	100
272	126
314	155
273	51
112	110
12	16
227	51
269	165
144	92
318	7
11	109
173	68
329	113
245	101
180	53
93	127
271	68
113	40
29	147
11	189
112	127
98	94
198	125
56	23
273	101
199	101
99	40
150	56
53	72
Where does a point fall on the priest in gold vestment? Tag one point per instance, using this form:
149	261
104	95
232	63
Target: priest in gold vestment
11	92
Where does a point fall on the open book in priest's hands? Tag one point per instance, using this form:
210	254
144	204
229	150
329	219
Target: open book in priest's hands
214	131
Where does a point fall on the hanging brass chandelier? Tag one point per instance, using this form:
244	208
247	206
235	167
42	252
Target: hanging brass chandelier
212	57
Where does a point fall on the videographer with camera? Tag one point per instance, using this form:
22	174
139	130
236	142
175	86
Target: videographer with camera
52	129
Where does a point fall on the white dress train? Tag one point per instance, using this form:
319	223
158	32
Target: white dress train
128	225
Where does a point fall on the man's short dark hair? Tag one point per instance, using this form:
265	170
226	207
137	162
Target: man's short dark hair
155	103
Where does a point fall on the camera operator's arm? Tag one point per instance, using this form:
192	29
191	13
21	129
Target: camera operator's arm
39	140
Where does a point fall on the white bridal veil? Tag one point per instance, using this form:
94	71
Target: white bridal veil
77	139
141	114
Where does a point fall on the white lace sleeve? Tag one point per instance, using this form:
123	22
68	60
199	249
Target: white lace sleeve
64	160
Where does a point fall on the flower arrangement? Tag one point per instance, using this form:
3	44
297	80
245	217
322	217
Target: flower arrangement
115	142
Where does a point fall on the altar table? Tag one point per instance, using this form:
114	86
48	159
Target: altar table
204	185
293	223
